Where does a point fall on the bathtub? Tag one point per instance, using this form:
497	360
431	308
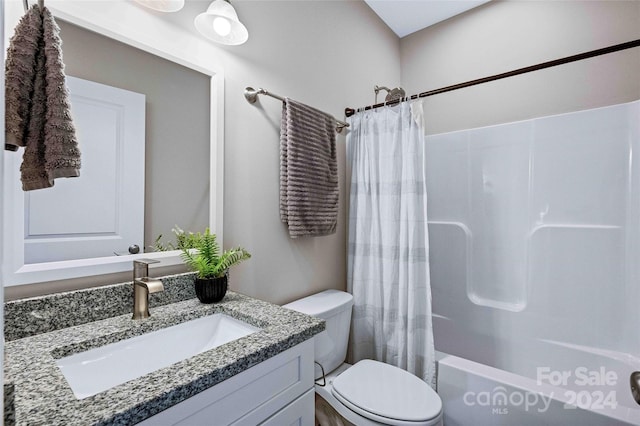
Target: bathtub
534	236
475	394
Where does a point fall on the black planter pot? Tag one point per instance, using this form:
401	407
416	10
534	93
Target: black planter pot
211	290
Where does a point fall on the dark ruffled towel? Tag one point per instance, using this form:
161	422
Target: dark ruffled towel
308	171
37	108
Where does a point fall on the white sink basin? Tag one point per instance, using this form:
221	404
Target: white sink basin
99	369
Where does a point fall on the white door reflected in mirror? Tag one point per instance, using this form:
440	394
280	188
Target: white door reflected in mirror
100	213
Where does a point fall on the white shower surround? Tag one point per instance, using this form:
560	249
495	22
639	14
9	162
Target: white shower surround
534	236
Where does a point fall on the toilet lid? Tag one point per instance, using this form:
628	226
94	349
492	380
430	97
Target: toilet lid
374	389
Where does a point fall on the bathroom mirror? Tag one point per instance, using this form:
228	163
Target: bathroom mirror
134	26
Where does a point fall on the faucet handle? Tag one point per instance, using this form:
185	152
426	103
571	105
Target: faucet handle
141	267
146	261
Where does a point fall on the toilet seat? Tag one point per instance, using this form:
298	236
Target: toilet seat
386	394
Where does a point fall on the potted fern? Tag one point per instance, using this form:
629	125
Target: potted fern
211	266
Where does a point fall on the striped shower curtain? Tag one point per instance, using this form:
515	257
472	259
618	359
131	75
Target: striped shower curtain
388	254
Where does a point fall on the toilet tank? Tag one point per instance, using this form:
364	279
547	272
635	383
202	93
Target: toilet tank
334	307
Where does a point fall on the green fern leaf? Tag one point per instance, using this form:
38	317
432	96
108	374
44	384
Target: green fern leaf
201	253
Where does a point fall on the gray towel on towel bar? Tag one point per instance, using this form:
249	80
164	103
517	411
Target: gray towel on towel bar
308	171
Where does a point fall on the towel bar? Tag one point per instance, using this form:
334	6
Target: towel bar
251	95
25	3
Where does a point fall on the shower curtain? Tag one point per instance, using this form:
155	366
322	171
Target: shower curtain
388	254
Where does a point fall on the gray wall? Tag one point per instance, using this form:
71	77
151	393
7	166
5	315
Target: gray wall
504	35
177	125
328	54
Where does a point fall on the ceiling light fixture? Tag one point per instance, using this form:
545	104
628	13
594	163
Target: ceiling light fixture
220	23
162	5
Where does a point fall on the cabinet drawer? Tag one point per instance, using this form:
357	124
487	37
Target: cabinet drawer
300	412
247	398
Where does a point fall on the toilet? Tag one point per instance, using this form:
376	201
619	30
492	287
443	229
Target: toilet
369	392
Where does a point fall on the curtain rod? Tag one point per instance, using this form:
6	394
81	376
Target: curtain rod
615	48
251	95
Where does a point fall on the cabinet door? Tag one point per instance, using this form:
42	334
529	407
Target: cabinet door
299	413
248	398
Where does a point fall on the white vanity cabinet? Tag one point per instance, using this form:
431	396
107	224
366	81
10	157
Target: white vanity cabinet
278	391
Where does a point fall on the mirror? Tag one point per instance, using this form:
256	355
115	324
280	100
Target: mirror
166	195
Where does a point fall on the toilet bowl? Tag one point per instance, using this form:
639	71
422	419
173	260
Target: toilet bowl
369	392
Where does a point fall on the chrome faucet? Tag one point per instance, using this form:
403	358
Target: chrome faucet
142	286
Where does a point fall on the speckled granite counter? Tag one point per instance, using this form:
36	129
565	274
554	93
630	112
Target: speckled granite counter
42	396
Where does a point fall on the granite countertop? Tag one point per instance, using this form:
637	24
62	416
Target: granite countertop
42	396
